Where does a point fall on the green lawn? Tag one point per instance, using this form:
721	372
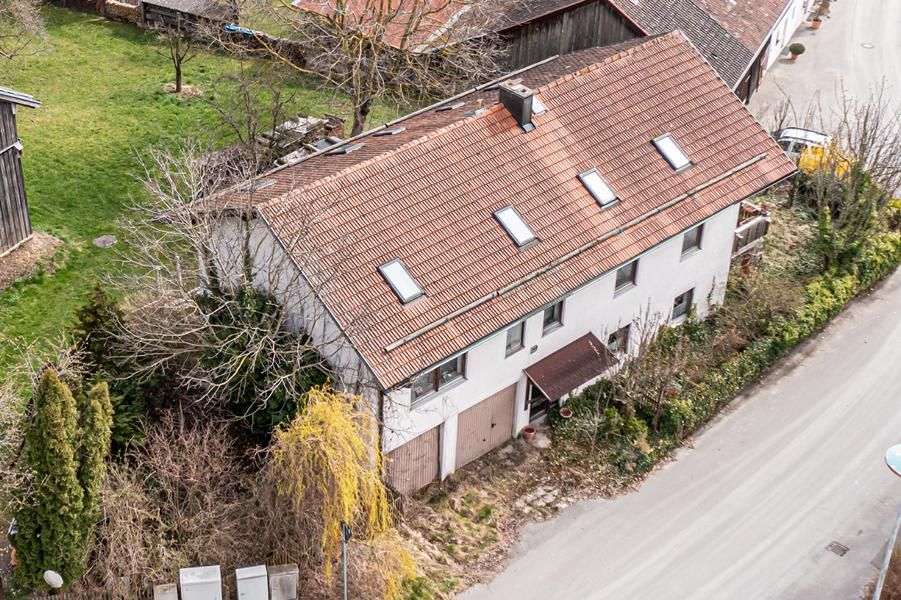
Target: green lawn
104	104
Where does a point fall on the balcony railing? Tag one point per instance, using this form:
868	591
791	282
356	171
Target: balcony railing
753	224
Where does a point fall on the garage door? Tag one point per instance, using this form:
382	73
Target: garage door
485	426
415	464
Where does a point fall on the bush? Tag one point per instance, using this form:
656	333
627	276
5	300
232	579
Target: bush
797	49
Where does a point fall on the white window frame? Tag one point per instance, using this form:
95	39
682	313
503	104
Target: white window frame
598	187
435	375
510	351
696	246
672	152
516	227
398	280
547	328
633	277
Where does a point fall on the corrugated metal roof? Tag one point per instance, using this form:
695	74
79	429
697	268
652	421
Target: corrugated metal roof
8	95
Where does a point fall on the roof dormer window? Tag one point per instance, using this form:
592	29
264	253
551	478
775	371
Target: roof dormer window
668	148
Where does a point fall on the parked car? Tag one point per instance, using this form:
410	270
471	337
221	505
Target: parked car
794	140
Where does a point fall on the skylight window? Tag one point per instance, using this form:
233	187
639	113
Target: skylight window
598	188
516	228
538	108
671	151
345	149
400	280
391	131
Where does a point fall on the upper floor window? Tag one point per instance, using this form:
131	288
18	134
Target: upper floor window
516	337
682	304
625	275
440	377
553	316
618	342
691	239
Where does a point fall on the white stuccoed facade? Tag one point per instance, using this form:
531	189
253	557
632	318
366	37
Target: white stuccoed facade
792	17
663	274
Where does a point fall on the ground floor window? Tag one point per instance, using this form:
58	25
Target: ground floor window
618	342
682	304
439	377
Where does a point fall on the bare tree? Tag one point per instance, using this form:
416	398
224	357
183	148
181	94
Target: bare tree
852	182
403	50
179	45
21	28
211	296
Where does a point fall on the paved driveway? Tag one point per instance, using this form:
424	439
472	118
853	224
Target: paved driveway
859	45
748	513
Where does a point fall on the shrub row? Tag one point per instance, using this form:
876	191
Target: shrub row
825	297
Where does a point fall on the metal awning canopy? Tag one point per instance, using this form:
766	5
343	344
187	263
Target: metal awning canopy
571	366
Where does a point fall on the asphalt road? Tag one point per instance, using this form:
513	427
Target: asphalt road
857	47
749	512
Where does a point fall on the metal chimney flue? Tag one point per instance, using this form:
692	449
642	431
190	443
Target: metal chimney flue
517	98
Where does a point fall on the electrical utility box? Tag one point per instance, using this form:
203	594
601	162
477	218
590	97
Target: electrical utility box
283	582
253	583
165	591
200	583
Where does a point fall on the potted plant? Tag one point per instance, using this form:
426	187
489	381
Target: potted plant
566	413
796	50
823	8
817	22
528	432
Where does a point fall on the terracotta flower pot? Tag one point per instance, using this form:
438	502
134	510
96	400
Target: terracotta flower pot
528	432
794	56
816	23
566	413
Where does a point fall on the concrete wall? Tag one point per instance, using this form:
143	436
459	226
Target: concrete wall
663	273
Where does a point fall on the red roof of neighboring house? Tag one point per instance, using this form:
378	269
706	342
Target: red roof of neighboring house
395	16
749	20
429	199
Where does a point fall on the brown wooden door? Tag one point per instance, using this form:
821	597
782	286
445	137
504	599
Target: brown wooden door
485	426
415	464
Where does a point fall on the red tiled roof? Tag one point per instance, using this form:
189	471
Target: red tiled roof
571	366
429	202
749	20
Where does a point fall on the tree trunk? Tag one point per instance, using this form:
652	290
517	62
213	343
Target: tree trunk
361	113
177	77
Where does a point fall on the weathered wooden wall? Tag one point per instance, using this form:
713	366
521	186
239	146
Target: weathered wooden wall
15	226
584	26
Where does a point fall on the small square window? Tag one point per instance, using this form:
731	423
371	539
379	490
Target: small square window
618	342
682	304
691	240
516	338
553	316
625	275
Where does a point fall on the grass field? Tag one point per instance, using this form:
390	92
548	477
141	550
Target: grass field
101	85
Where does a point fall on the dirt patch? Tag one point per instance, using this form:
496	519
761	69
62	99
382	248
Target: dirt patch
28	259
187	91
462	529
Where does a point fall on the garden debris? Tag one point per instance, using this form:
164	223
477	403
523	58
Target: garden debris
28	259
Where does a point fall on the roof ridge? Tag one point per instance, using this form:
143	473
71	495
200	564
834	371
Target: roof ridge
626	52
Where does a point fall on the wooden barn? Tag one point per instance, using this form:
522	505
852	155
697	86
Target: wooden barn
15	224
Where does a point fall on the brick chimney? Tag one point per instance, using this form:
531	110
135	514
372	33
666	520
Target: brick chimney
517	98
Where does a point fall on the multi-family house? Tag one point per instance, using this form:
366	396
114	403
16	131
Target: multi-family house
471	264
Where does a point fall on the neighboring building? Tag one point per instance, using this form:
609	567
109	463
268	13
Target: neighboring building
471	264
15	223
739	38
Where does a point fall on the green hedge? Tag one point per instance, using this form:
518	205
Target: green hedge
825	297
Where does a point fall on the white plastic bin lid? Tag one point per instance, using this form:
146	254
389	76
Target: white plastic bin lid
195	575
251	573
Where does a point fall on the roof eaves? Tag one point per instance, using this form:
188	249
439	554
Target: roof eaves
15	97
